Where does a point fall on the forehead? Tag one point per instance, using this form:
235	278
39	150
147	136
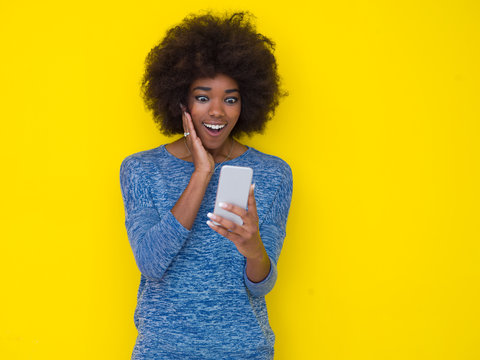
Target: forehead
219	82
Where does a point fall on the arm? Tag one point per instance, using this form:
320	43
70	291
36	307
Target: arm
273	231
246	237
157	238
186	208
260	245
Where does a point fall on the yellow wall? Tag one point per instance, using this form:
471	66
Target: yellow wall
381	129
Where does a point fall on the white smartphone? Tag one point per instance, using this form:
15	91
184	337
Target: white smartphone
233	188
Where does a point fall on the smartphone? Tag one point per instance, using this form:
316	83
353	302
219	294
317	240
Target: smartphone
233	188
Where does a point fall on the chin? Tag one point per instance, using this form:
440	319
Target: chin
212	145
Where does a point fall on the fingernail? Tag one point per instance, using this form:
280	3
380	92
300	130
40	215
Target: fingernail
253	186
222	205
209	223
211	216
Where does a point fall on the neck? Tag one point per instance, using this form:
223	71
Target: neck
219	154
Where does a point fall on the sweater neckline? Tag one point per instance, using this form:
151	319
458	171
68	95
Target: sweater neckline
170	155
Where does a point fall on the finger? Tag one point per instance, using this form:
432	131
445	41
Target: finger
224	232
187	124
191	128
186	127
184	120
252	204
237	210
228	225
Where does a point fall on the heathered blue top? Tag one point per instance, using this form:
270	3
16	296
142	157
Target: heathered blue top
195	300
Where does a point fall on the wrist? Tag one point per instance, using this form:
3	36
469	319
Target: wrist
258	268
260	257
202	175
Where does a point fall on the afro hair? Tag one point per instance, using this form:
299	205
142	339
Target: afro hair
203	46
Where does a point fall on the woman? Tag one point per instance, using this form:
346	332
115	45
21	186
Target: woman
202	288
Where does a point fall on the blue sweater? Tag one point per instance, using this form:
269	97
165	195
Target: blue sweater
195	300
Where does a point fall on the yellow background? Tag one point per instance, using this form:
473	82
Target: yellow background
381	129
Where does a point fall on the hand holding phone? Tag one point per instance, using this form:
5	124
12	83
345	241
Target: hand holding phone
237	223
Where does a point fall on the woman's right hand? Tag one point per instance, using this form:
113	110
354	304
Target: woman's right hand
202	159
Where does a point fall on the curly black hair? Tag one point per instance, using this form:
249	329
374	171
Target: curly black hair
203	46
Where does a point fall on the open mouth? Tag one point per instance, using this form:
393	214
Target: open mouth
214	129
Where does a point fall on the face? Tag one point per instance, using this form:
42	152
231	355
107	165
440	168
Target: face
215	105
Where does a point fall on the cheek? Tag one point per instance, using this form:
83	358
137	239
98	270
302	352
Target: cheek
190	106
194	110
235	114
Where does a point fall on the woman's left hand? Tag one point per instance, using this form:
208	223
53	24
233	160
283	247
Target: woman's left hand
246	237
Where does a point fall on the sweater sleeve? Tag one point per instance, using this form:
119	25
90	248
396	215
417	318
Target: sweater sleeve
273	232
155	238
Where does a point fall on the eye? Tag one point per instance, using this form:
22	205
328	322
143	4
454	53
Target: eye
231	100
201	98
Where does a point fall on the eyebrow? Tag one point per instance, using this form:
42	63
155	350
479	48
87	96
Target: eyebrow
204	88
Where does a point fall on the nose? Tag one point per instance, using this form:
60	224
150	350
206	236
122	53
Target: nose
216	109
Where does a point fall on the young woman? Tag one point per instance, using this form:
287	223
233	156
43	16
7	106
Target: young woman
202	287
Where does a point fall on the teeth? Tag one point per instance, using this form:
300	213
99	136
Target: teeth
215	127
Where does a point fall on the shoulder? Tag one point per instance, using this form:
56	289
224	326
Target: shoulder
143	161
271	166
